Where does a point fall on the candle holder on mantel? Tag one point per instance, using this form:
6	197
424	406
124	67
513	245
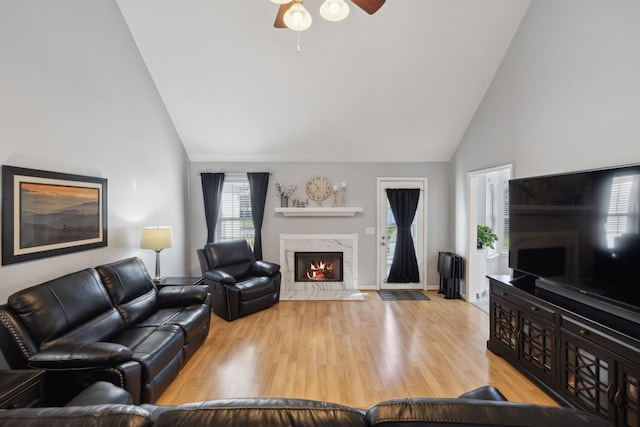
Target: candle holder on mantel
343	194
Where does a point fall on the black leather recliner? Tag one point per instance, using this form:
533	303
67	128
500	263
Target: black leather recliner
239	285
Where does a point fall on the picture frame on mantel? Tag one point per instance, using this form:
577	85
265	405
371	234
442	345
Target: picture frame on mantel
47	214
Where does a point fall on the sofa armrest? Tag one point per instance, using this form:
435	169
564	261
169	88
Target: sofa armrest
101	393
93	415
180	296
471	412
264	268
80	355
220	276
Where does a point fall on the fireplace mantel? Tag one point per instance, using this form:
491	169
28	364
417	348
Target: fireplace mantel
320	211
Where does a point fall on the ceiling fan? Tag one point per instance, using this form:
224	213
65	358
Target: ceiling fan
293	15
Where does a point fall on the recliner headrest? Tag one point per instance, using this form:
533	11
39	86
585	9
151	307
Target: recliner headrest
223	254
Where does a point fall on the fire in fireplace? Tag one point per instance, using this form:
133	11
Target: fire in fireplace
318	267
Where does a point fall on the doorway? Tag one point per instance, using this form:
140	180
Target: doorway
488	205
387	232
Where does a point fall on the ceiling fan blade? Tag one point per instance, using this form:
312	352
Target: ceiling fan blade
369	6
279	22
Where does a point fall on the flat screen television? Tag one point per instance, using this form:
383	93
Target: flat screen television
579	233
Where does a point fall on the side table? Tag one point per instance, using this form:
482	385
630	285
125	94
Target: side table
22	388
180	281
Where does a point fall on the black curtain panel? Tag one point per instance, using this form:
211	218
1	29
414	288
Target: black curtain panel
258	183
212	192
404	203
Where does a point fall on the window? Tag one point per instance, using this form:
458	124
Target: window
497	208
623	213
505	214
235	220
492	202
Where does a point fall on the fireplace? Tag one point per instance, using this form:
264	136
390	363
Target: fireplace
318	266
347	244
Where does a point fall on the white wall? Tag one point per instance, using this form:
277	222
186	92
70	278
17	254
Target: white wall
565	98
75	97
361	191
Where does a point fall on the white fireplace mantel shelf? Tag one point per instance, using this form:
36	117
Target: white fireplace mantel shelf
319	211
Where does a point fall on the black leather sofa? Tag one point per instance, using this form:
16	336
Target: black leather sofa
107	323
239	284
482	407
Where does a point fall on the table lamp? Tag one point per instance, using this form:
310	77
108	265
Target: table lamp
157	239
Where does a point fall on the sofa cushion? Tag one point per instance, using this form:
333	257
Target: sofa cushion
76	301
189	319
255	287
131	289
153	347
100	328
259	412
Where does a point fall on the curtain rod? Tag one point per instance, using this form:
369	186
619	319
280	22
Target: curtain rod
232	172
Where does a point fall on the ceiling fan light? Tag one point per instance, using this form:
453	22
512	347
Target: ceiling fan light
297	18
281	1
334	10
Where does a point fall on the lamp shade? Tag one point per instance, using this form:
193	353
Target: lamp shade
334	10
297	18
156	238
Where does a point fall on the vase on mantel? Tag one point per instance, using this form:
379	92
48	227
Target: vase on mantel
284	201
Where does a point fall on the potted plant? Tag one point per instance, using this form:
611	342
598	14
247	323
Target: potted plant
486	237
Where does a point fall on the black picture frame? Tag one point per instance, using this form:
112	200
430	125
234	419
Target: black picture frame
47	214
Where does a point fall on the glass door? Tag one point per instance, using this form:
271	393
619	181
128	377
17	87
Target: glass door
387	232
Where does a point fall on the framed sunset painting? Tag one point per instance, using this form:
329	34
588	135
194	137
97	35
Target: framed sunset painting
50	213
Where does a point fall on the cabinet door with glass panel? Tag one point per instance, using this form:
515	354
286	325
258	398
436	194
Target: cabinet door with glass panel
627	396
537	341
588	374
504	325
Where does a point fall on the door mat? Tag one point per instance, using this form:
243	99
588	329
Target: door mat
403	295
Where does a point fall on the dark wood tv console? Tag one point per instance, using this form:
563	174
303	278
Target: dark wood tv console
577	361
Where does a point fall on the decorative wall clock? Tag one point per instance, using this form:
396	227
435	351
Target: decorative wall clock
318	188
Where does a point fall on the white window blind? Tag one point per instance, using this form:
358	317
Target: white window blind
497	208
235	221
492	204
505	214
623	214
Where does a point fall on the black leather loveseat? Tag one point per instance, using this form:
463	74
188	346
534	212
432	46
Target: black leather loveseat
482	407
107	323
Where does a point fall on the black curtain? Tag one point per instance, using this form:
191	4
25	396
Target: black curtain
258	183
212	192
404	203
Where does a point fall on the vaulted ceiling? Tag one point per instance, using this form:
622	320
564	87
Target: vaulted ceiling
398	86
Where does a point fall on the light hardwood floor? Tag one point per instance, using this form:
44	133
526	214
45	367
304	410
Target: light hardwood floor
350	352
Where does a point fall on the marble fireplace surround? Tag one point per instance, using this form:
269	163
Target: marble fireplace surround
345	243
